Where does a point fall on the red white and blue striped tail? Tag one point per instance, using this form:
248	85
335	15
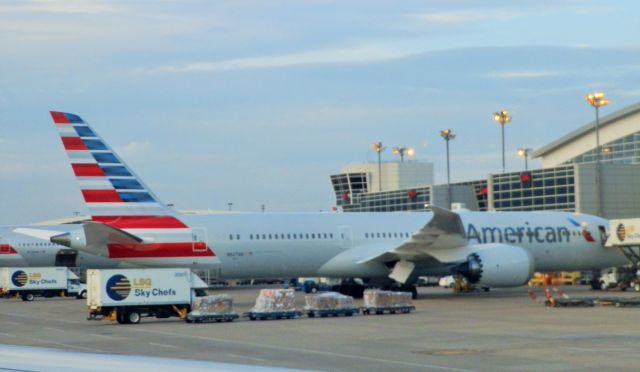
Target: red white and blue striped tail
112	192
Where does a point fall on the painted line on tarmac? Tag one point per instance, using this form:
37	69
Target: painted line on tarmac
164	345
244	357
324	353
42	341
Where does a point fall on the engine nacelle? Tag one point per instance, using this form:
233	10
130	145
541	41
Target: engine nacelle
75	239
497	265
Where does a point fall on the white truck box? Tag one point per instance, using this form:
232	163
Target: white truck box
624	232
141	287
36	278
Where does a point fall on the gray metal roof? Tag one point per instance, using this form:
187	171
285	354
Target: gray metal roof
604	121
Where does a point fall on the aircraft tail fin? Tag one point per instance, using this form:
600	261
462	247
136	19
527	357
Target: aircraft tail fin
112	192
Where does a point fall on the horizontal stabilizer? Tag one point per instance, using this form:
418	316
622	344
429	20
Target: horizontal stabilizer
93	238
37	233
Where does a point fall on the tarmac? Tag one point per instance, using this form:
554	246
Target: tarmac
481	331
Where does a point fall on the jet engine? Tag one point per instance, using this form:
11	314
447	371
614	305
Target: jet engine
497	265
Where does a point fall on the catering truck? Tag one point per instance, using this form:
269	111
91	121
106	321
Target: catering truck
31	282
127	295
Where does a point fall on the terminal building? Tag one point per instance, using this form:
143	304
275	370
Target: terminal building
567	181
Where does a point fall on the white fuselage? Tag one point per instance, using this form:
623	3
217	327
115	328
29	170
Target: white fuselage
291	245
276	245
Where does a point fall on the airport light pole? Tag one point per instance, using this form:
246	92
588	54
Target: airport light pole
448	135
402	151
503	118
597	100
524	152
377	147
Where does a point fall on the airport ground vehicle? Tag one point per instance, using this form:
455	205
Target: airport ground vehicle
561	278
31	282
620	278
127	295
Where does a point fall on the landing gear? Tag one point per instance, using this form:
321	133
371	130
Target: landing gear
350	287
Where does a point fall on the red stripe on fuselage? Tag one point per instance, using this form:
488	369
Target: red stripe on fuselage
87	170
59	117
101	196
141	222
157	250
73	143
7	249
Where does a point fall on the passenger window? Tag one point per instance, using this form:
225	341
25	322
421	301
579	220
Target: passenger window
306	236
366	235
276	236
237	236
264	236
230	236
384	235
282	236
325	235
288	236
270	237
378	235
331	236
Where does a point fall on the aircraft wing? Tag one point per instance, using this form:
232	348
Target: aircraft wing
443	238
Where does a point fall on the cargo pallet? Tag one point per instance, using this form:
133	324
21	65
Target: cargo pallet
593	301
266	315
323	313
379	310
210	318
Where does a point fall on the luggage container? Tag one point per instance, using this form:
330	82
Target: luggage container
380	302
274	304
329	304
215	308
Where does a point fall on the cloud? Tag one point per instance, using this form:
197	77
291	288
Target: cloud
359	54
54	6
450	17
522	74
134	150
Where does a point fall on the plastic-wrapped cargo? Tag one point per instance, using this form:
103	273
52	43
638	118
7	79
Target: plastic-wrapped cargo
328	301
275	300
212	305
378	298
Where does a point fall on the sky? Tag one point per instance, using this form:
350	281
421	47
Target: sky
259	102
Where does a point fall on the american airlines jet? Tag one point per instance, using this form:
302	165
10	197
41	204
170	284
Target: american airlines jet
495	249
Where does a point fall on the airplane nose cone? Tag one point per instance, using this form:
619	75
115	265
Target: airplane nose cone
62	239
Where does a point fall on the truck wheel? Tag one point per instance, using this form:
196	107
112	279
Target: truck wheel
81	295
133	317
28	297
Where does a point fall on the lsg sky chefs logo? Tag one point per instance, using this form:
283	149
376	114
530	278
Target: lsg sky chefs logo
19	278
119	287
621	231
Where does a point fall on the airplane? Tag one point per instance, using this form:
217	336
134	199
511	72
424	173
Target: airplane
389	250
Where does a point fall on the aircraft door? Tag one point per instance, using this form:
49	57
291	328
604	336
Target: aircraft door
66	257
603	234
199	239
346	236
